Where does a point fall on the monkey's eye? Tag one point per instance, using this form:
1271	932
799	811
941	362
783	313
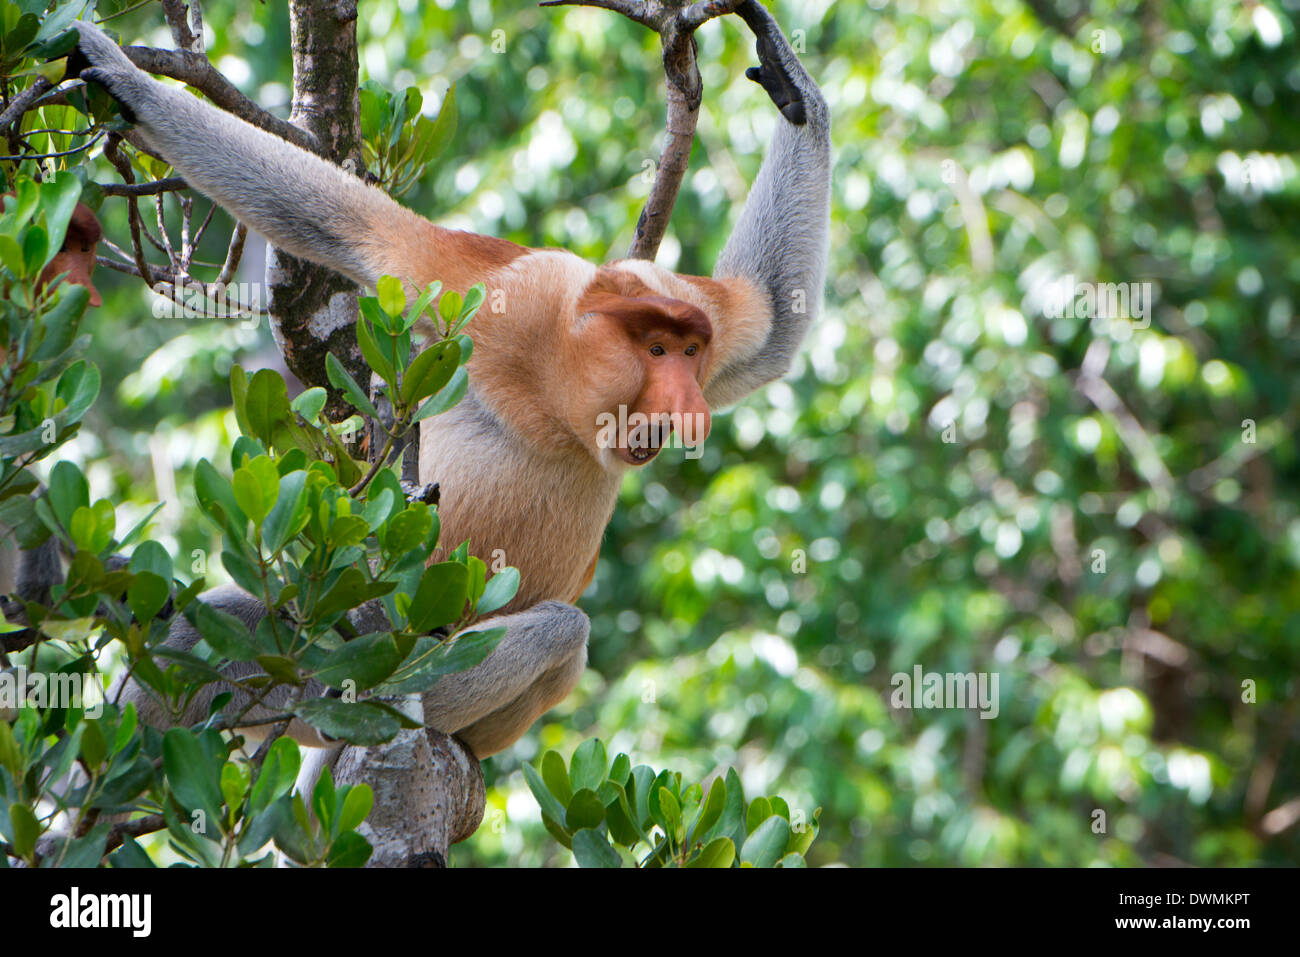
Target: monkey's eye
692	349
656	350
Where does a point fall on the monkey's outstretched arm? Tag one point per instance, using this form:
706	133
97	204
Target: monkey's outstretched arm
301	203
780	241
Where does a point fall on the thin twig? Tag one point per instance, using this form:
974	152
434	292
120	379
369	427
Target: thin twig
233	254
20	103
136	6
123	167
169	185
76	149
141	825
676	24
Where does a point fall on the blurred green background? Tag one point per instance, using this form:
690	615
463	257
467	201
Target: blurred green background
1123	552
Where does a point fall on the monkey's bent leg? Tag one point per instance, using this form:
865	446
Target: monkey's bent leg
489	706
183	637
534	668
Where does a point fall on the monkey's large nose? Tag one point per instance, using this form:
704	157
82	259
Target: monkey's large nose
692	412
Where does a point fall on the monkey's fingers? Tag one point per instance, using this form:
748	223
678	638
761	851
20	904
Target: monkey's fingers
773	75
780	88
97	59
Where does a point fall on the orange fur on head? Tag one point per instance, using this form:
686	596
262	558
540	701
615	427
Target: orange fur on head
76	257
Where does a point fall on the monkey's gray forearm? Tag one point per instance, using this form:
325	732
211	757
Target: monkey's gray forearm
780	241
301	203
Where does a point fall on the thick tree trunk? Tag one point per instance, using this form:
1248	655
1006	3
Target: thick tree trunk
314	309
429	790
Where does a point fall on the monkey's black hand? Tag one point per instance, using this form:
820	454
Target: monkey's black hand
773	75
97	59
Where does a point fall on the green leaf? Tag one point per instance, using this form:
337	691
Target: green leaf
591	848
225	634
439	599
343	381
130	854
766	844
365	661
499	590
670	812
447	397
351	590
10	754
550	805
584	810
290	514
449	306
711	812
152	557
58	200
215	495
733	812
78	388
267	404
444	127
239	397
146	596
309	403
68	491
556	776
589	764
720	852
277	776
193	778
94	748
391	296
349	850
360	799
426	297
59	328
407	529
377	355
36	250
234	783
430	371
432	658
359	723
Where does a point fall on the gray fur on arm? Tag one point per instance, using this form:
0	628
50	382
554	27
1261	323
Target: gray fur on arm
780	241
301	203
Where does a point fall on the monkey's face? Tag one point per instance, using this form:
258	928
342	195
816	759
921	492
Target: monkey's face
645	359
77	256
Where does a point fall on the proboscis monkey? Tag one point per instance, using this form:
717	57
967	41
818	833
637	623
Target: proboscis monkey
30	572
525	461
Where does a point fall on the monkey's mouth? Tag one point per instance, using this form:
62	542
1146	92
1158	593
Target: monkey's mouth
638	454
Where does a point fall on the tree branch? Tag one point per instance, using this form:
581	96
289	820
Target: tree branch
169	185
194	69
676	22
23	101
